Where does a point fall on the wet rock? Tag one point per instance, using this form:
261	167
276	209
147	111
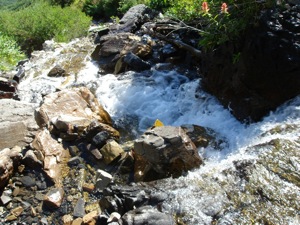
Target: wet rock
133	55
77	105
124	198
102	179
79	210
111	46
165	151
57	71
53	154
17	123
203	136
135	62
9	160
53	199
149	214
111	151
108	133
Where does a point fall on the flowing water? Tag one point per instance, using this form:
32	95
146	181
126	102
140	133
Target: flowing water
136	100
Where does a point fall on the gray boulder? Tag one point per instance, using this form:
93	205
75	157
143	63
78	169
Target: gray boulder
164	151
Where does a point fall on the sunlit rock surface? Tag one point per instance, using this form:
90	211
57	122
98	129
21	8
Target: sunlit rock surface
9	160
17	123
164	151
71	110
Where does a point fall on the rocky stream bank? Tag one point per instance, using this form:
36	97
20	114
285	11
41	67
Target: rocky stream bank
65	159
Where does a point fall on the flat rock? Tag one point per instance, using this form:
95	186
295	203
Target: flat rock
70	110
17	123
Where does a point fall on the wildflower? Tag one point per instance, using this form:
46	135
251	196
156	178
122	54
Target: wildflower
224	8
205	8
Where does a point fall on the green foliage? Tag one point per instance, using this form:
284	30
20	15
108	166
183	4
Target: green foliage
160	4
15	4
10	53
62	3
215	25
41	21
124	5
101	8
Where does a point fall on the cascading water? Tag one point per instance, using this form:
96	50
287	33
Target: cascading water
136	100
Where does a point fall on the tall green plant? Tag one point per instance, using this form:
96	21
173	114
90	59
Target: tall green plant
10	53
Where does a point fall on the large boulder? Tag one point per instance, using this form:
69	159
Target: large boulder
116	51
164	151
260	72
17	123
69	112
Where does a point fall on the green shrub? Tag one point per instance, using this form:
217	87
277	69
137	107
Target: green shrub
62	3
160	4
10	53
35	24
101	8
15	4
124	5
215	25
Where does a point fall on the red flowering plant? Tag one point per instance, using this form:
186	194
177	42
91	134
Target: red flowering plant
218	20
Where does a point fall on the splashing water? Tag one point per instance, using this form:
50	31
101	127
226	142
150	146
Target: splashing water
141	98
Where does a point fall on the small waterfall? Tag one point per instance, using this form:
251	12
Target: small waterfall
136	100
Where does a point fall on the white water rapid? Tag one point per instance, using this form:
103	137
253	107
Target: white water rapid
172	98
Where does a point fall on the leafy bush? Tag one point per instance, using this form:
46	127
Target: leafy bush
160	4
101	8
124	5
62	3
10	53
218	21
15	4
39	22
